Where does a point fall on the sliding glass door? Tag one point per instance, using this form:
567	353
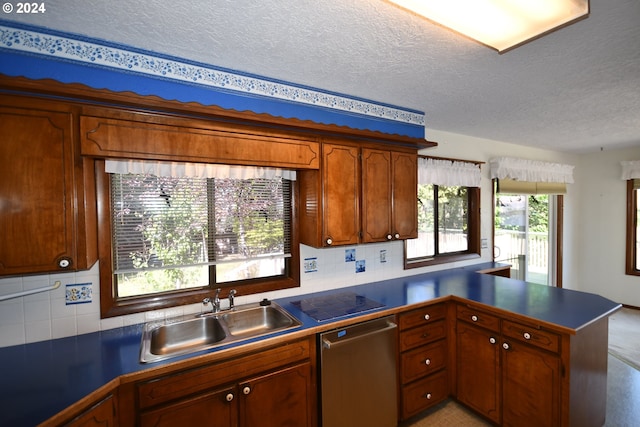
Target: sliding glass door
525	236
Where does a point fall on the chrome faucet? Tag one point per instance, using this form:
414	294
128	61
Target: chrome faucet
215	303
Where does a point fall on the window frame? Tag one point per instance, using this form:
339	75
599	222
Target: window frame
111	306
473	236
631	266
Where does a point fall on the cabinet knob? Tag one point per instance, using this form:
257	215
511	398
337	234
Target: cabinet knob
474	318
64	262
506	346
428	396
389	237
427	317
397	235
229	397
329	241
527	336
246	390
492	340
427	362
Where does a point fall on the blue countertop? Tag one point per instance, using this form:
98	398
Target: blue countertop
41	379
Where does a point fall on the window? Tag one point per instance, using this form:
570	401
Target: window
448	215
633	230
175	239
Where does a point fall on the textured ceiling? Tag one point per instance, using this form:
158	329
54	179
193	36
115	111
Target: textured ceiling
577	89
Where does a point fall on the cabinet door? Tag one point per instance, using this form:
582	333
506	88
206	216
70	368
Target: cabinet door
405	195
37	191
531	386
376	195
279	399
215	409
340	178
478	370
100	415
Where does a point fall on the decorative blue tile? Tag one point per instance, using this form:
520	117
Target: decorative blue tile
360	266
349	255
79	293
310	265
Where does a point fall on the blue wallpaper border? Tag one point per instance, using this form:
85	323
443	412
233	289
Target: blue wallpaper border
39	53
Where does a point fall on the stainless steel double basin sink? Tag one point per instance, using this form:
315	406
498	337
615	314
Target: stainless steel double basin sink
188	334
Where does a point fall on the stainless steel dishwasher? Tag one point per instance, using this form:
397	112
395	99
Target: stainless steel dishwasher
358	375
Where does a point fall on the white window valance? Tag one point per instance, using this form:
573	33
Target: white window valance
195	170
448	172
530	170
630	169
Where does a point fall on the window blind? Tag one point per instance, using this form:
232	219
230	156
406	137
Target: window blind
168	222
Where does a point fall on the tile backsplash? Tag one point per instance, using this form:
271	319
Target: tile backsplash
74	307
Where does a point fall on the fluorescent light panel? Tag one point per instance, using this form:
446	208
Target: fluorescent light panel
501	24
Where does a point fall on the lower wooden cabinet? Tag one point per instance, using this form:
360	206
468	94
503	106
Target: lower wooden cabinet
276	399
423	359
274	387
102	414
506	371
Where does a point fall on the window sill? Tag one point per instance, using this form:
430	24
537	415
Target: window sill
442	259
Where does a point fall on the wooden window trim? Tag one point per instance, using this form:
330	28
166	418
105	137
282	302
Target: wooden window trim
630	265
110	306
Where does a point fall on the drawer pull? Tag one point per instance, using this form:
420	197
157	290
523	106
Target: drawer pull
229	397
527	336
427	317
246	390
505	346
474	318
425	335
427	362
492	340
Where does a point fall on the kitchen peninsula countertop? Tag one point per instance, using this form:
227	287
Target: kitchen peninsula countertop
41	379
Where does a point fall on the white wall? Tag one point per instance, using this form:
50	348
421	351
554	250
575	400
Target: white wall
593	261
601	228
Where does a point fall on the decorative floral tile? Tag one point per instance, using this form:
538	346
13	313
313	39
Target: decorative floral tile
310	265
79	293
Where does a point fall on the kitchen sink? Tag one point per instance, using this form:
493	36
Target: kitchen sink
187	334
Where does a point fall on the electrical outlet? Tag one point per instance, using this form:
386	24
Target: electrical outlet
484	243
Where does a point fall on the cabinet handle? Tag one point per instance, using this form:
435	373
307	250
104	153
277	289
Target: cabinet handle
474	318
229	397
527	336
389	237
427	362
397	235
428	396
246	390
329	241
427	317
492	340
506	346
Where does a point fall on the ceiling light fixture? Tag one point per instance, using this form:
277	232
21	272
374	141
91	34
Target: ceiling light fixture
500	24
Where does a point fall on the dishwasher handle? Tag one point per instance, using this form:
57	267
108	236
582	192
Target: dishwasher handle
327	343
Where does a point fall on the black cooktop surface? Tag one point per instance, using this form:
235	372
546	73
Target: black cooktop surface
328	307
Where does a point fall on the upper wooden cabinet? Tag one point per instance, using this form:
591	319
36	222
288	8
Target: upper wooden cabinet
360	195
389	195
47	220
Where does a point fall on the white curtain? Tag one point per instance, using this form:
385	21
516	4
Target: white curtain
195	170
448	172
630	169
530	170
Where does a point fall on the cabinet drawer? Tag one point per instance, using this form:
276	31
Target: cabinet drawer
185	383
423	361
422	316
531	335
423	394
423	335
477	317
